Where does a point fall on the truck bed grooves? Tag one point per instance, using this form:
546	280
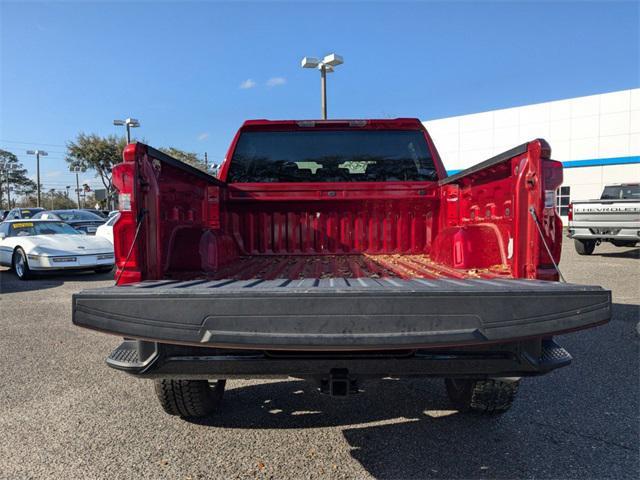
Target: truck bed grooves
292	267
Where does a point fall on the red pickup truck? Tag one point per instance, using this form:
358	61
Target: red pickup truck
338	252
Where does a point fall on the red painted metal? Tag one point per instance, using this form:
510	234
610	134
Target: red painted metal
476	226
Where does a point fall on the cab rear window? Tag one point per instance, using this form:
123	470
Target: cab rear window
621	192
332	156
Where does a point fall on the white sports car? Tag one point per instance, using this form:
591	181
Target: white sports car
30	246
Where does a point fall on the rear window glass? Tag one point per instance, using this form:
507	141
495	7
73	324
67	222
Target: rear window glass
27	213
73	215
332	156
621	192
26	229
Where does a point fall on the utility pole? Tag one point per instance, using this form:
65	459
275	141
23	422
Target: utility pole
67	193
38	154
206	162
76	170
4	165
8	189
8	168
52	192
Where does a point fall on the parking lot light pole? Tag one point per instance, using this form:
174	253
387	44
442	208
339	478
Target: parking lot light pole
2	170
76	170
6	168
38	154
129	123
326	65
10	168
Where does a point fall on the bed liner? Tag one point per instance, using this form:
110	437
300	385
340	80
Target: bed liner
405	266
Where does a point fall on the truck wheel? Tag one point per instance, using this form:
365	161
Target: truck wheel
189	398
488	397
20	265
584	247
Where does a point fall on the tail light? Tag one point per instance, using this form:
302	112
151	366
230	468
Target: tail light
552	179
124	179
570	212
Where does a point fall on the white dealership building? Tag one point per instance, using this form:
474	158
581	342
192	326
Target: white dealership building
597	138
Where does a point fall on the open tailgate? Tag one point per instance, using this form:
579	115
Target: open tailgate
330	314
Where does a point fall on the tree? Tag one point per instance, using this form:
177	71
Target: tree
186	157
13	171
100	154
51	200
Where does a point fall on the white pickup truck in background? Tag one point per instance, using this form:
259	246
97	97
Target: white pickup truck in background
614	218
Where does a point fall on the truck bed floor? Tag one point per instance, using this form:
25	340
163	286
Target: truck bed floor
292	267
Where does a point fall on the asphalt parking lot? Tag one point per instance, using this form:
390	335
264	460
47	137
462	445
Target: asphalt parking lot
64	414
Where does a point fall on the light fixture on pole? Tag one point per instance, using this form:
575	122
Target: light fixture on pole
38	154
129	123
326	65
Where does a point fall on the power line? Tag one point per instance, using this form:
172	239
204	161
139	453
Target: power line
33	143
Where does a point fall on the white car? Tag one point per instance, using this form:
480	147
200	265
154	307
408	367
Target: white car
30	246
106	229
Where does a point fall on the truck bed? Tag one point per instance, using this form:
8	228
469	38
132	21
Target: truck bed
293	267
329	266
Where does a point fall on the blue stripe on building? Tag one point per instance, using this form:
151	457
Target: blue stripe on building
592	162
596	162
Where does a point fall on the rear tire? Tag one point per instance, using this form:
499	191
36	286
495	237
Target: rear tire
20	264
190	398
486	397
584	247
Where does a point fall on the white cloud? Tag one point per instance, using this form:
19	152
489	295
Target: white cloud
248	83
276	81
203	136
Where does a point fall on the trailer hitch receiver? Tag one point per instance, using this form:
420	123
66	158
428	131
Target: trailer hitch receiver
338	383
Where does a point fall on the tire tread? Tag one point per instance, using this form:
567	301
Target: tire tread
486	397
189	398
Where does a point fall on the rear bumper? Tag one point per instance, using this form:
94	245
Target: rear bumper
336	314
623	235
152	360
594	231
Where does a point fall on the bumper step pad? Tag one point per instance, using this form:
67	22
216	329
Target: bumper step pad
181	362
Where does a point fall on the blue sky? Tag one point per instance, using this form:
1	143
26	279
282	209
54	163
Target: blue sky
180	66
